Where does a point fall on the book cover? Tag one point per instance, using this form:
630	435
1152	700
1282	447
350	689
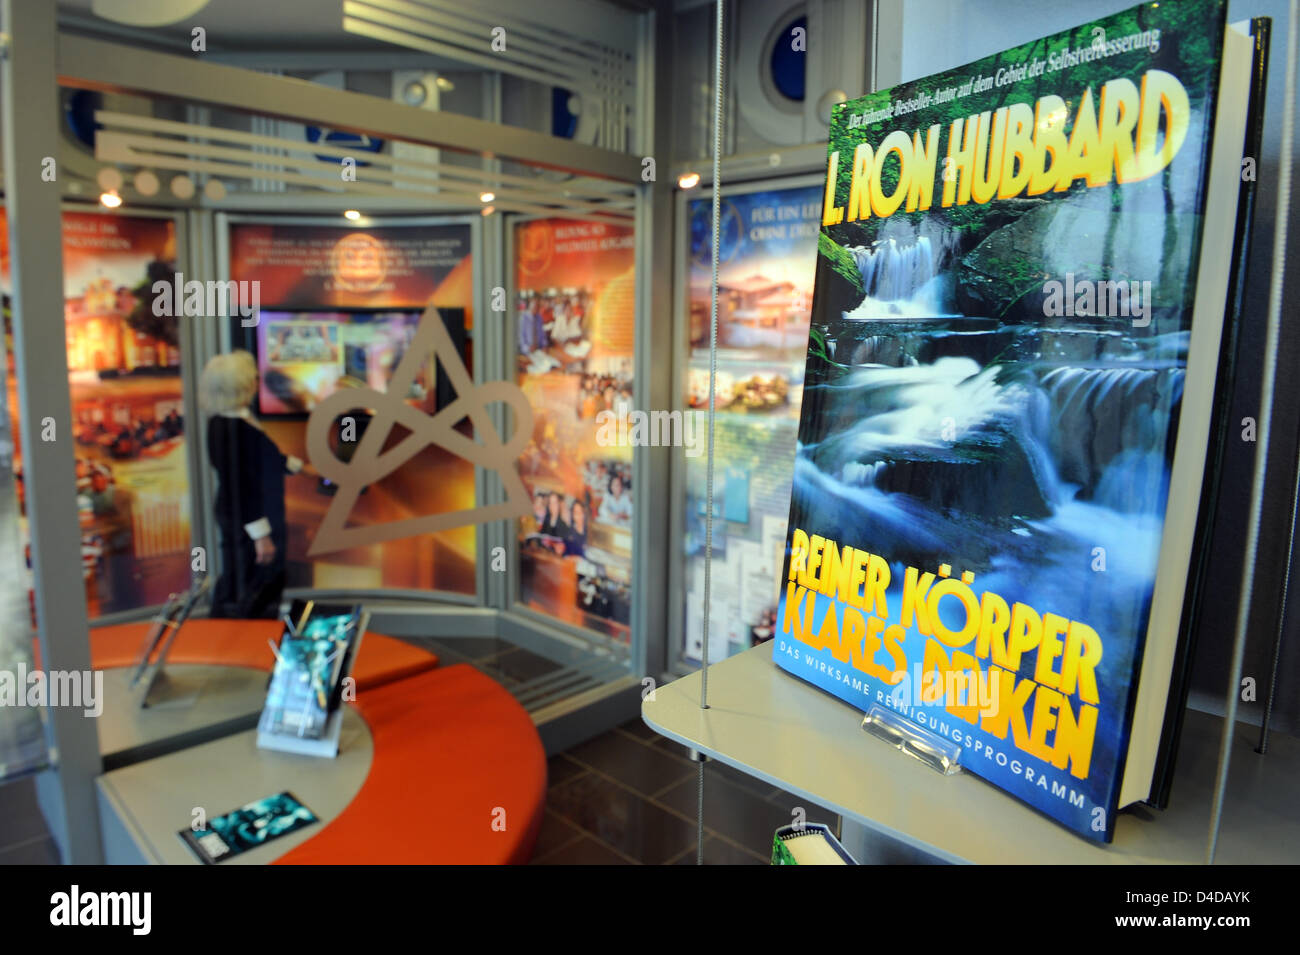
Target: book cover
247	827
996	366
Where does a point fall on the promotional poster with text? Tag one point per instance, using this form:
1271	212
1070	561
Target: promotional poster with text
575	312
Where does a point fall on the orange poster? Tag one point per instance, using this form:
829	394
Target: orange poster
575	309
128	421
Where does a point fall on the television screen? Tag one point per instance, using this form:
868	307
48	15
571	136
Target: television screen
303	357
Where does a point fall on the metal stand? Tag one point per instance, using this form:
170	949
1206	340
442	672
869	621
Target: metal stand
941	755
718	48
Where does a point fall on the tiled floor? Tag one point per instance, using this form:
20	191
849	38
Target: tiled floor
24	839
627	797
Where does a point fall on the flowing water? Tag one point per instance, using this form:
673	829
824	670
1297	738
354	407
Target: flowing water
942	445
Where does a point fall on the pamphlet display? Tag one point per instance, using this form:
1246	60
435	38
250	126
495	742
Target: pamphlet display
302	712
1011	365
247	827
161	636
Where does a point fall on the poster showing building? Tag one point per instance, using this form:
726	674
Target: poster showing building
128	420
767	257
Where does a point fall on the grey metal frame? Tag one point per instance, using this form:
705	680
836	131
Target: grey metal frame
677	664
97	65
30	126
653	350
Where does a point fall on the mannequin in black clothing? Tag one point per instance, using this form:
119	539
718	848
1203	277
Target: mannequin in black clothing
250	492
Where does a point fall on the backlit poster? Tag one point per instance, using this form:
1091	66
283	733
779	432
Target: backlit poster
128	422
338	307
575	306
768	248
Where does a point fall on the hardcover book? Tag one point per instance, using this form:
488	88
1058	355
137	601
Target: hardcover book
1011	366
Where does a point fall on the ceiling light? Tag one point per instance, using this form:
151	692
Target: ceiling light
486	196
688	180
146	182
352	215
147	13
109	179
414	93
110	200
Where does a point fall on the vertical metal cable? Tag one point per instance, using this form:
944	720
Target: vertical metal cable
1283	206
699	805
713	378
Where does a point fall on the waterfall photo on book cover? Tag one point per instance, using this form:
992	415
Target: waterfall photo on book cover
997	363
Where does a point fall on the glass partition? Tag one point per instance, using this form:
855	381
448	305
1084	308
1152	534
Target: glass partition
767	258
340	305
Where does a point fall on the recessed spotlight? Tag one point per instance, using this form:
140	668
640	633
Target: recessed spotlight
110	200
486	196
146	183
109	179
352	215
688	180
487	211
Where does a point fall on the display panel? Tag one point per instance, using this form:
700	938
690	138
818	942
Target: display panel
575	310
128	417
339	305
304	356
767	258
